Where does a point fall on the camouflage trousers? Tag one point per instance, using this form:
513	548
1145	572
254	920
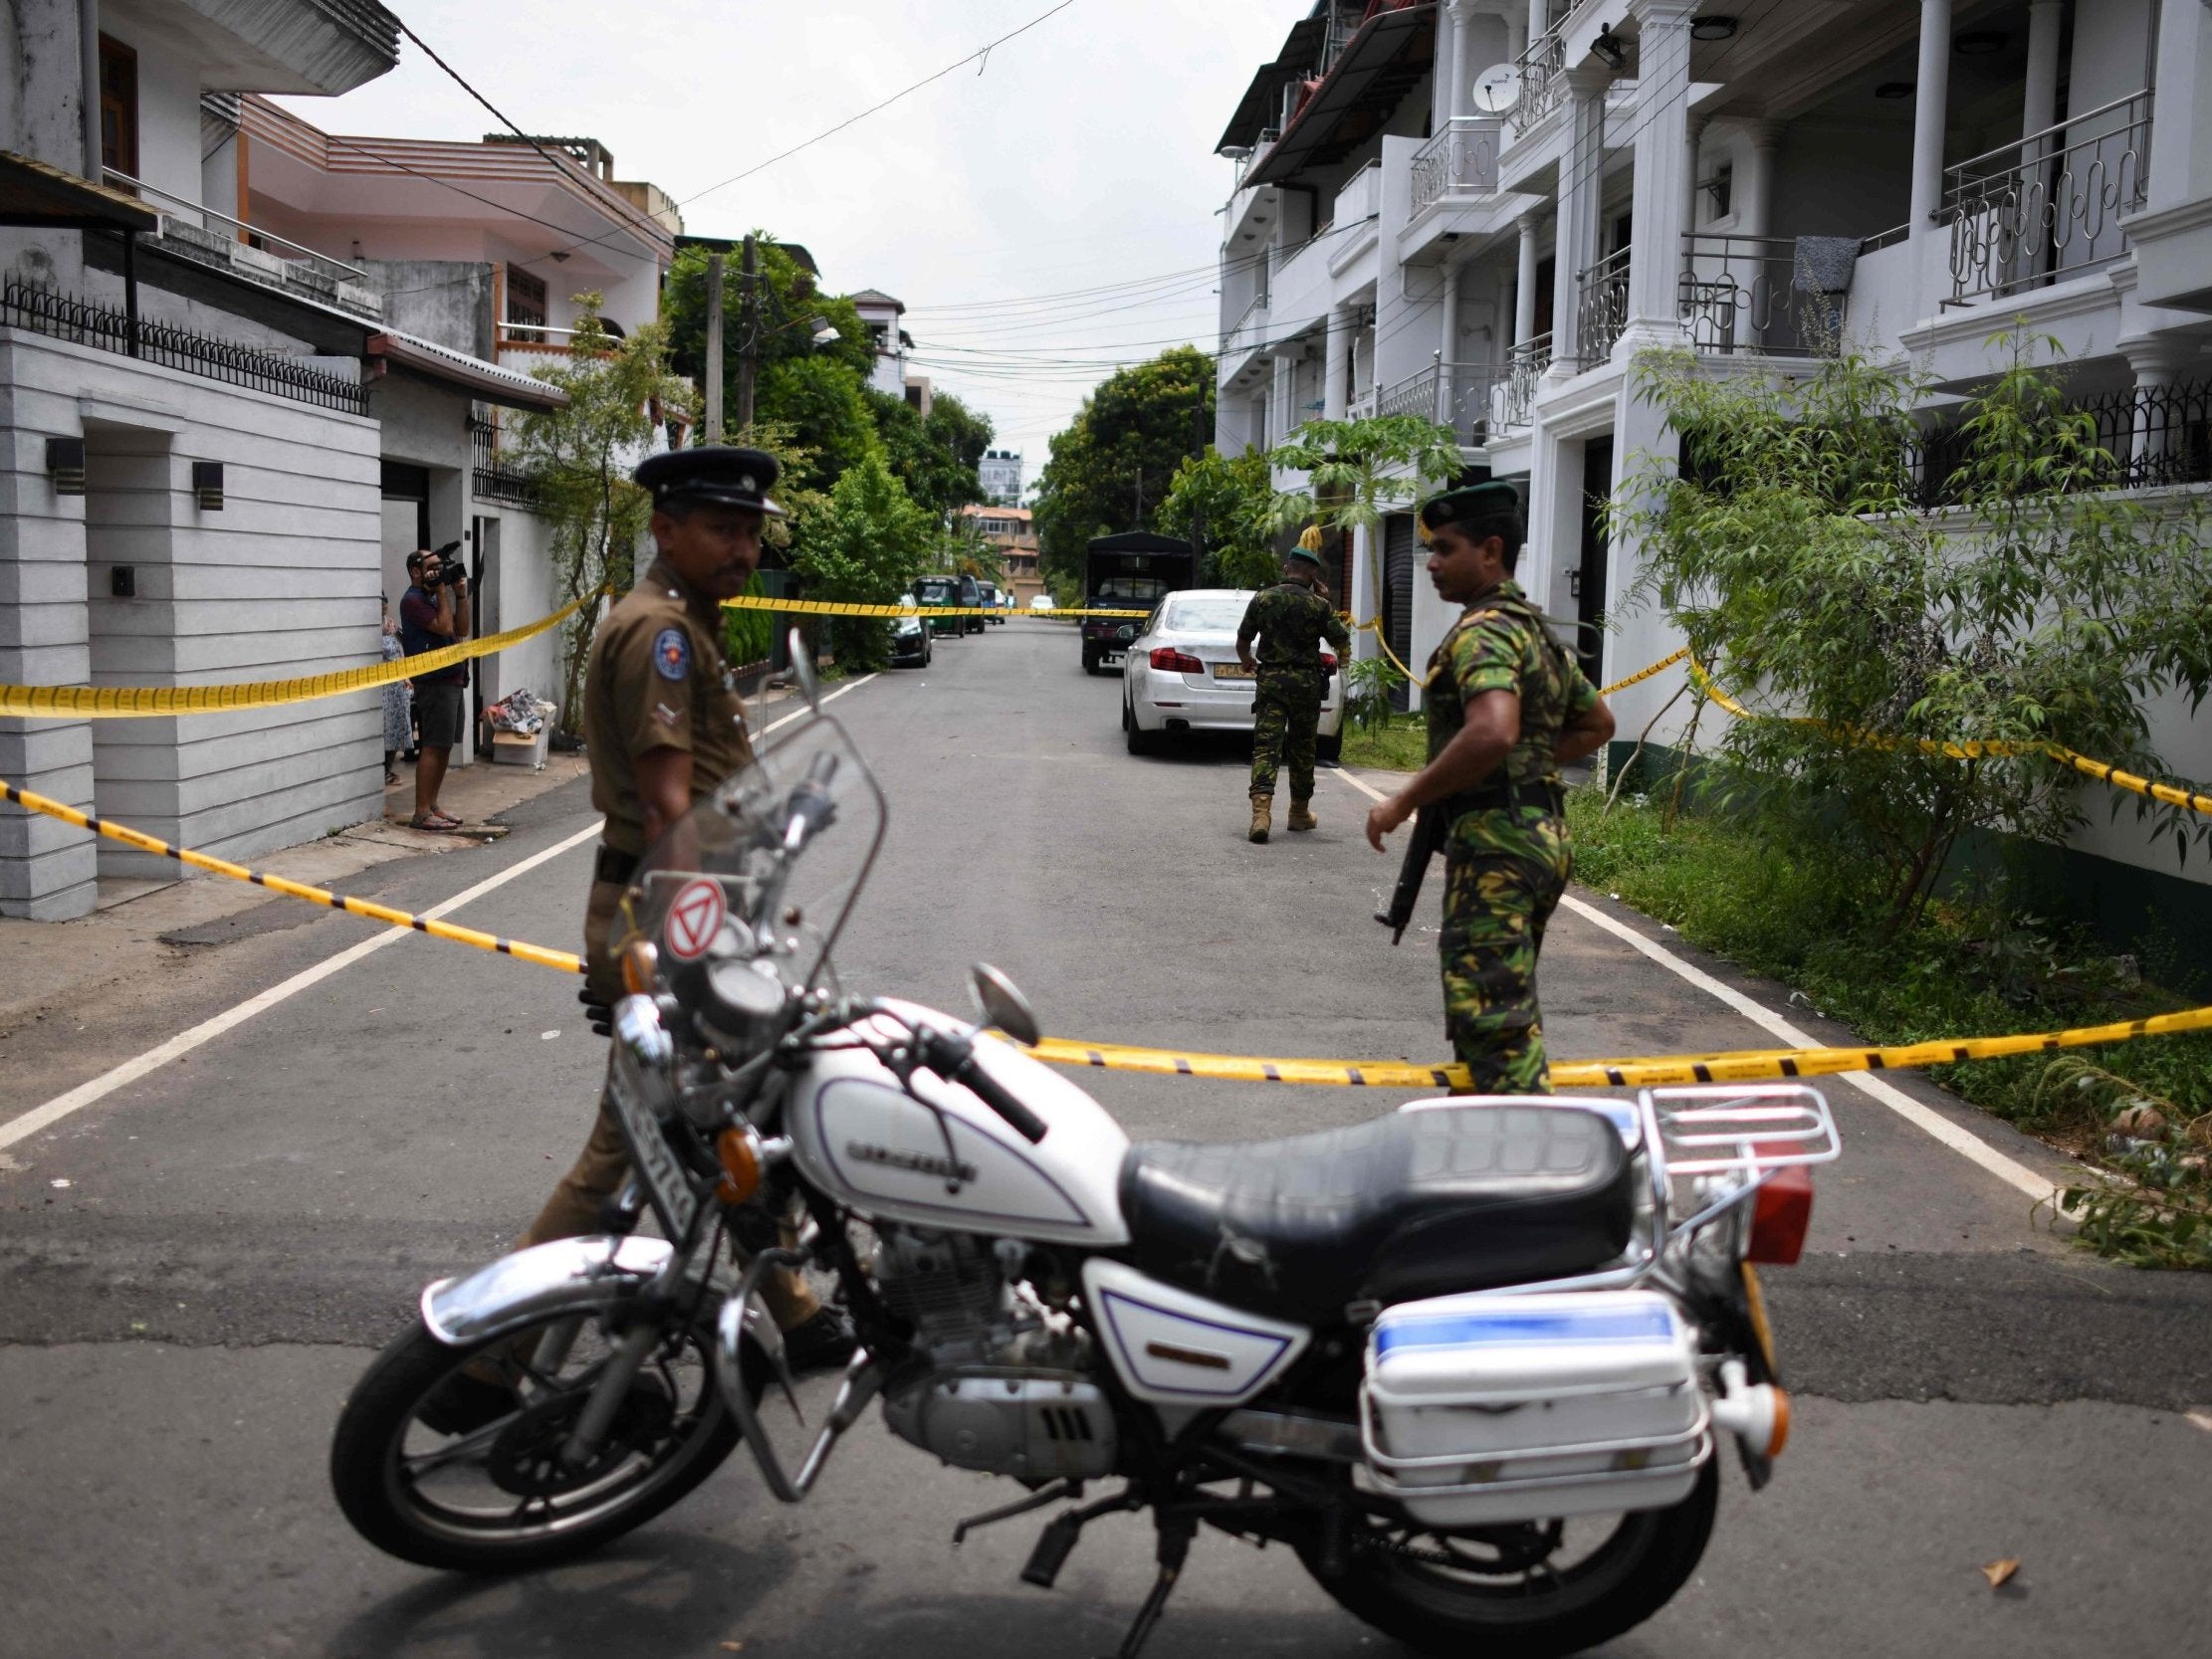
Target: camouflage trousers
1504	875
1285	709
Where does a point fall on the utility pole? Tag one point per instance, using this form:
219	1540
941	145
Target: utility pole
749	335
714	348
1140	498
1198	507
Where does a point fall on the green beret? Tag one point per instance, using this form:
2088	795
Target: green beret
1304	555
1494	499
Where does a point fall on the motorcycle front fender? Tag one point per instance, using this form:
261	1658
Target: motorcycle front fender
566	1275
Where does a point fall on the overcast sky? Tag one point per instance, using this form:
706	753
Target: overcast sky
1081	157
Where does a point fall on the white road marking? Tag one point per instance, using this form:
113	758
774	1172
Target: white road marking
184	1042
1964	1142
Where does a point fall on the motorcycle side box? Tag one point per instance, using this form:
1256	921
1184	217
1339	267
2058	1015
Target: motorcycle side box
1487	1408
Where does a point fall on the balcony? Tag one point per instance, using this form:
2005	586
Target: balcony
1460	160
1543	82
2047	207
492	478
206	237
1745	296
1513	399
1601	308
1360	198
1458	395
1248	330
1364	406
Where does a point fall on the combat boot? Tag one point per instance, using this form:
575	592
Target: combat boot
1264	809
1301	813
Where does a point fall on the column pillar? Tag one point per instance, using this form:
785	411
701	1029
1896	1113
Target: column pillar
2181	150
1441	411
1539	20
1581	171
1755	189
1930	110
1661	156
1517	37
1524	281
1454	81
1693	136
2157	363
2039	110
1335	372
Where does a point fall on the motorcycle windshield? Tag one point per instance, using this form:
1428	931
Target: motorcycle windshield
765	868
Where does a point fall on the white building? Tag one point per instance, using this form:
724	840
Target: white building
1482	209
189	464
880	312
1001	473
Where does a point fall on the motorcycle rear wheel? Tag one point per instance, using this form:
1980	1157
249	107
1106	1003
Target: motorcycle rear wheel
492	1498
1398	1581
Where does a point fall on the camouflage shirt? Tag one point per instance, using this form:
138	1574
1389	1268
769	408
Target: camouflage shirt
1501	644
1291	622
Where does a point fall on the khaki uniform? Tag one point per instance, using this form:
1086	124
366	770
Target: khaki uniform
657	679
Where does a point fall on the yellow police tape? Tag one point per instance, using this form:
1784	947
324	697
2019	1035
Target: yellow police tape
1974	749
563	959
78	702
1374	627
841	607
1739	1066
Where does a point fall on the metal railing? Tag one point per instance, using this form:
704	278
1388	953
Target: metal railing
1360	407
2151	437
492	479
1241	335
1884	239
203	236
1745	294
1543	82
1601	306
1458	395
48	311
1462	159
1361	196
2047	205
1251	157
1513	399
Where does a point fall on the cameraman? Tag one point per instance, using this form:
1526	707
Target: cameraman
433	614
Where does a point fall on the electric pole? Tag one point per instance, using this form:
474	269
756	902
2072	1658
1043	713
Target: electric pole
749	335
714	349
1198	507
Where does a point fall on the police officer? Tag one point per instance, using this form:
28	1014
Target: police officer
1507	707
663	726
1291	619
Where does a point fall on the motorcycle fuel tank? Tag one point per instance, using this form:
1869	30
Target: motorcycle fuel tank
862	1138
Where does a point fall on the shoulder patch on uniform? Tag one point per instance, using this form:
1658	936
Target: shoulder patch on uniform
672	654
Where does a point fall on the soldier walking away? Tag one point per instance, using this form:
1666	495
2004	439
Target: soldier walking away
1507	707
663	727
1291	619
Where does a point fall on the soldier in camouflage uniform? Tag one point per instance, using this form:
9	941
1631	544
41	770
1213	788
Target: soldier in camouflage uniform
1291	619
1507	707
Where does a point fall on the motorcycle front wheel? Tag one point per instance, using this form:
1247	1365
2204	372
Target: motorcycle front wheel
1534	1591
456	1457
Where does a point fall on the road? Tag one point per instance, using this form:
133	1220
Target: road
195	1265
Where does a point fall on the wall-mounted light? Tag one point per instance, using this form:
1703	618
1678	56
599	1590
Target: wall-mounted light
64	465
1713	26
207	485
1894	89
1608	48
1979	43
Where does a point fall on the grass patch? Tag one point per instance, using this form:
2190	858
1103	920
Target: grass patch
1972	968
1401	746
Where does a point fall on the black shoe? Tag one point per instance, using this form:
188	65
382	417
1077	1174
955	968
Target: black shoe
821	1342
462	1404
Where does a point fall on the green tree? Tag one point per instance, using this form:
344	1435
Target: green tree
1226	502
1357	473
862	544
2042	608
934	457
582	458
1111	467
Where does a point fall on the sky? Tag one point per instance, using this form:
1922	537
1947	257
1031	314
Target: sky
1079	158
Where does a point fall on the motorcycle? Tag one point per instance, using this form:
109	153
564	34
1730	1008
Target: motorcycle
1473	1360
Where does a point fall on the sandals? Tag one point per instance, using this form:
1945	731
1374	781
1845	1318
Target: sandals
439	822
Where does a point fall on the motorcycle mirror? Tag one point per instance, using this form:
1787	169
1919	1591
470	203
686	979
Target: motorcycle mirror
1000	1003
802	670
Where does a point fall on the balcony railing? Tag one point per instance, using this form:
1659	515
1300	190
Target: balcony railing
492	479
202	234
1601	306
1462	159
2049	205
2151	437
1457	396
1543	82
1513	401
1361	196
1360	407
1248	330
1251	157
1747	295
46	310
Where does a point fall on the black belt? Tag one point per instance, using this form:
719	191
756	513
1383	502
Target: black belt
614	864
1499	797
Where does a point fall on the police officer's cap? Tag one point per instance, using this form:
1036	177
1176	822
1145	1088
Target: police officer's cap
720	474
1472	503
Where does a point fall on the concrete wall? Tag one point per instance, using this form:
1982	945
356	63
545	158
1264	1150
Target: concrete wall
447	301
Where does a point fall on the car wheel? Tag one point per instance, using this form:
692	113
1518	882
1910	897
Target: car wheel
1090	658
1329	749
1137	739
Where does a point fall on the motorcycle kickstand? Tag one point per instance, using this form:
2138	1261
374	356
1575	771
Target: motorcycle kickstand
1176	1534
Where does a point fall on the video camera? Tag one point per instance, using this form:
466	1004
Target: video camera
451	571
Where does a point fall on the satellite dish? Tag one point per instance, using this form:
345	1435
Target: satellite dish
1498	89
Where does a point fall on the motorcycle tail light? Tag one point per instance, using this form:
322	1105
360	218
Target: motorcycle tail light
640	967
738	1150
1169	660
1780	1216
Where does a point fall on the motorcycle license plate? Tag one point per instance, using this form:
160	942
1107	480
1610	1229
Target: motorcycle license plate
1231	671
665	1181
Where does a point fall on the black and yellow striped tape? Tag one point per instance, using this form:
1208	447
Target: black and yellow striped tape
78	702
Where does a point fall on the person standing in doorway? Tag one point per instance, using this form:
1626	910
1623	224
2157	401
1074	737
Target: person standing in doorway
433	614
1291	621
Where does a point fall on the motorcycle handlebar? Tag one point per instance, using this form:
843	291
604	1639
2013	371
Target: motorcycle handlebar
995	1095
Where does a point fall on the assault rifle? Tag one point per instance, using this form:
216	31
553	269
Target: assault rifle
1431	826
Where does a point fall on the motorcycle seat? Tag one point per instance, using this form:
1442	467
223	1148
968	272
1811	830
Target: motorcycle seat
1410	1206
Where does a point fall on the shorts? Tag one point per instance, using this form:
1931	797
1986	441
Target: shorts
438	716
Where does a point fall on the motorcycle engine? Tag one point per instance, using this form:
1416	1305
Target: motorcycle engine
1006	1385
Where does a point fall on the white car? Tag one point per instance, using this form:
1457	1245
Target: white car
1041	601
1181	673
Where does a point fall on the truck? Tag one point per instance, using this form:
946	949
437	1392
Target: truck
1132	571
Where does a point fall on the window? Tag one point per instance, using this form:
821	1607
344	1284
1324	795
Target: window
1722	187
526	298
118	106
